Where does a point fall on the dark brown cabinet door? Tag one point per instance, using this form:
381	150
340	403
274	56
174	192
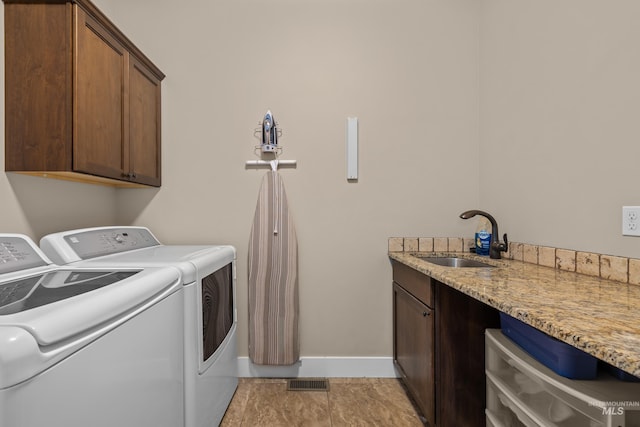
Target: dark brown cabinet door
38	103
100	72
144	125
414	348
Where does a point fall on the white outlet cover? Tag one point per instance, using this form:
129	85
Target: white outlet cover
631	220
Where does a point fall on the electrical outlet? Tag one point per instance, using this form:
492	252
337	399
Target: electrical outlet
631	220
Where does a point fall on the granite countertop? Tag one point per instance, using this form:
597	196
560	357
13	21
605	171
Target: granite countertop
598	316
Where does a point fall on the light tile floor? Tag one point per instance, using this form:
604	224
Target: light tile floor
349	402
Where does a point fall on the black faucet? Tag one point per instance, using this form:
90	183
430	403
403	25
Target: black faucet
495	247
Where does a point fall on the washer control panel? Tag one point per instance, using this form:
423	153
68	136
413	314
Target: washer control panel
18	253
107	241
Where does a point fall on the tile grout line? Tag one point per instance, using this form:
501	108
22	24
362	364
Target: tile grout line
329	403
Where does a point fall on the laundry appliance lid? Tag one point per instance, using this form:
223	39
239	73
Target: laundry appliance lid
187	258
132	246
67	303
33	340
30	292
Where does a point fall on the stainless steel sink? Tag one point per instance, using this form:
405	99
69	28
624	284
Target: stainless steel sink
455	262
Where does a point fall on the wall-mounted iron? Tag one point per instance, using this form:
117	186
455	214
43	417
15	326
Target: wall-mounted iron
270	133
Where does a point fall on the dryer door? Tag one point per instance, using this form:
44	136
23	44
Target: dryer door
217	309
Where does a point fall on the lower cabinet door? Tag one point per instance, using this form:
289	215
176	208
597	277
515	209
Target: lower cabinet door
414	348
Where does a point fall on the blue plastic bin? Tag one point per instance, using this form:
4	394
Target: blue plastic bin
558	356
617	372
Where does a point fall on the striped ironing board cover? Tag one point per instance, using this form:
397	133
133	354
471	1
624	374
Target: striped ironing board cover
273	278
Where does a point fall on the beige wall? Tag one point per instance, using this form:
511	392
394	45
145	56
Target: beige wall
525	109
407	69
560	107
37	206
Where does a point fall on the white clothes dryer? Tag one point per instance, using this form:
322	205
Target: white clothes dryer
87	346
210	314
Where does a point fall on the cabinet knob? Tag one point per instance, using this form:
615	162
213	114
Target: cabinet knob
425	313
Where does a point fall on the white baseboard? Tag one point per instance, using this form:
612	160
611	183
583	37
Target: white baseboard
326	367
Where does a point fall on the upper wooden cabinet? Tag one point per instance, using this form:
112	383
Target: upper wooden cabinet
81	101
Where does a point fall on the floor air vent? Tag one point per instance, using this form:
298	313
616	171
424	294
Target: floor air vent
308	384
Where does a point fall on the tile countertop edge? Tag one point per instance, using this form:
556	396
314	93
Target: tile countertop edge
598	316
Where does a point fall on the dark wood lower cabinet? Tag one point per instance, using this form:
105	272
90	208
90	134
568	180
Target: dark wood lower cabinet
460	377
440	355
413	348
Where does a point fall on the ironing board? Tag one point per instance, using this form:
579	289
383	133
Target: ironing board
273	278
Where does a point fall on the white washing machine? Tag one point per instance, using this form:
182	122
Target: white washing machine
210	317
80	347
